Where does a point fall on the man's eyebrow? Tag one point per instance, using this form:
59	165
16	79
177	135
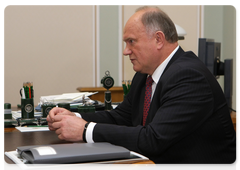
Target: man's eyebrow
128	38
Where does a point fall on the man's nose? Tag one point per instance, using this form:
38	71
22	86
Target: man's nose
127	51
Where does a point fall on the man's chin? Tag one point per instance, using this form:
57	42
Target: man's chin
137	70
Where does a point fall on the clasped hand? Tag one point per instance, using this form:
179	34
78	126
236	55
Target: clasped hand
66	124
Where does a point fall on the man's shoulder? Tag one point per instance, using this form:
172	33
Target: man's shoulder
185	58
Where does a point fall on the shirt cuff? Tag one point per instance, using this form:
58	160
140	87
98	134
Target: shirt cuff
77	114
89	132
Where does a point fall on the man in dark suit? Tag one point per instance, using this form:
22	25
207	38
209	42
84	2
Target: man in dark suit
180	117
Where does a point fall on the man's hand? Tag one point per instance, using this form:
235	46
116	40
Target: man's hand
68	128
65	124
57	111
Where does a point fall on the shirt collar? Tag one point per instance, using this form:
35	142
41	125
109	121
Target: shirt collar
158	72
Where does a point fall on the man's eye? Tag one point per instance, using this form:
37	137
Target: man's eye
131	41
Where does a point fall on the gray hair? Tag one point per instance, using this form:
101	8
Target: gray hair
155	20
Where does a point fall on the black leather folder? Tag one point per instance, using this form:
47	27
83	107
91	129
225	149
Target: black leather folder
72	153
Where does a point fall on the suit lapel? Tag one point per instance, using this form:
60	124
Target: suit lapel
156	98
138	86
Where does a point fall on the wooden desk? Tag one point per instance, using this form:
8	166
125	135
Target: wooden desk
117	93
236	123
13	138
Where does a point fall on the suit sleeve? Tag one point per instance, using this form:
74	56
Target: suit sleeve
186	101
119	116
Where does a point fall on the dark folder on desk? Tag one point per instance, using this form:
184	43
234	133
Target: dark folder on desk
72	153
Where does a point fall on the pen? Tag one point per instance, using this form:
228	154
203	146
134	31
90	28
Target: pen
23	93
124	87
129	85
32	90
27	90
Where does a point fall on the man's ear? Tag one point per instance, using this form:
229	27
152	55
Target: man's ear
160	39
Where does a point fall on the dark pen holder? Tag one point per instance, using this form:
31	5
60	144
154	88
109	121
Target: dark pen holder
46	109
108	100
27	108
64	105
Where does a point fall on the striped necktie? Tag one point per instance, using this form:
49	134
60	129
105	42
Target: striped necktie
147	99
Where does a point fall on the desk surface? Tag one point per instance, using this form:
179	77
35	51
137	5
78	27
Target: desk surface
236	123
233	116
13	138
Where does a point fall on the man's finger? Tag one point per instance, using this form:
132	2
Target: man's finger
54	111
56	125
59	117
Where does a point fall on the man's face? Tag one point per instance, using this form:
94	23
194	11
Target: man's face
139	46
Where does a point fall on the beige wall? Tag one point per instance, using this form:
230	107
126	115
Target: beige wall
178	13
55	46
51	46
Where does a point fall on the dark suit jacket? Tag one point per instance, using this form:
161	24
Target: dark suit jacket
188	120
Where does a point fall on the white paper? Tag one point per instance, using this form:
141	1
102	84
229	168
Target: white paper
14	156
65	97
32	129
45	150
